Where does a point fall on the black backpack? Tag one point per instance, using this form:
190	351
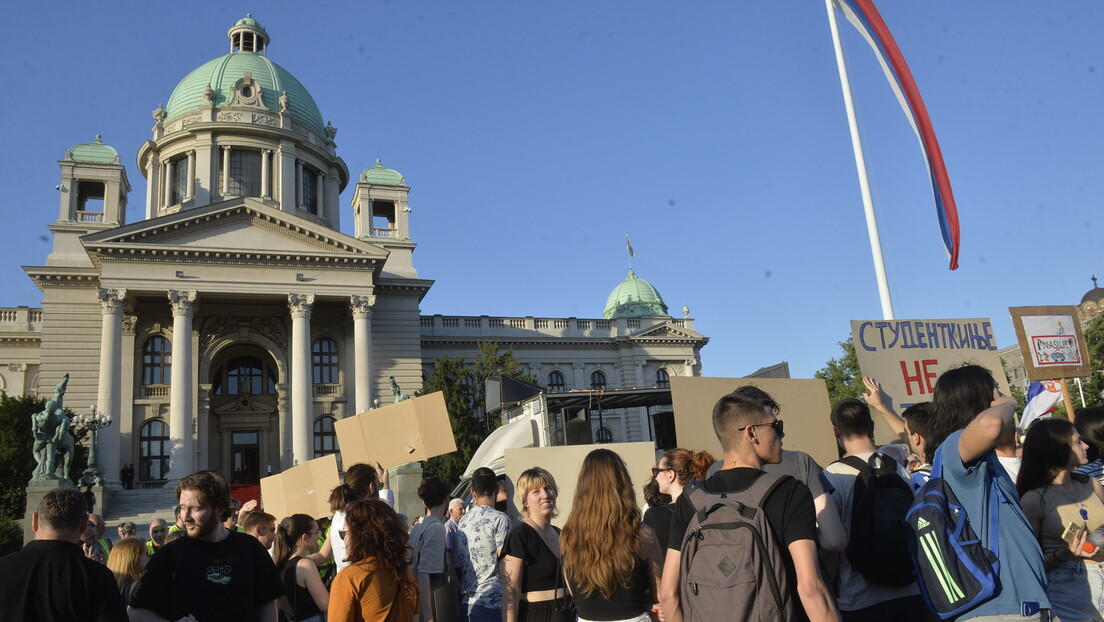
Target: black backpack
878	546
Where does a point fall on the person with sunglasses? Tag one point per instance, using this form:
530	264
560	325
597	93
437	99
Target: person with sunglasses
672	473
751	435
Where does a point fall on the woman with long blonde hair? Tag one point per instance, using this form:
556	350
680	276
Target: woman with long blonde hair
127	560
611	560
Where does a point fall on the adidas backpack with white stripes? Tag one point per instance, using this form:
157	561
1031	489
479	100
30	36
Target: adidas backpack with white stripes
955	569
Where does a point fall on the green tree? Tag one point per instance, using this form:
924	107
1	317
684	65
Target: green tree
464	388
842	375
16	464
1094	339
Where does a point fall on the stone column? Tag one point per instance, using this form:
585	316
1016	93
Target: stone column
266	158
319	207
170	181
298	183
224	187
302	400
181	390
362	350
191	175
110	381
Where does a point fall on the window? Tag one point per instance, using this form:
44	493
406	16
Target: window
604	435
325	439
179	180
310	189
597	380
324	361
156	361
244	376
663	381
556	381
153	450
245	173
90	199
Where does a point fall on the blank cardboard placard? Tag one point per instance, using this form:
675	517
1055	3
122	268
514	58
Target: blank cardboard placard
302	489
564	464
398	434
804	408
1051	341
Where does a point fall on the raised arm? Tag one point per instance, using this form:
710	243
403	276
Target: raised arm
981	434
883	405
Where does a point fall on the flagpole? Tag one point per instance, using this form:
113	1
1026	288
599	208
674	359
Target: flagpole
860	165
629	251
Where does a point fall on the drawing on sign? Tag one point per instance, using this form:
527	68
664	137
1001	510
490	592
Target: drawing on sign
1053	340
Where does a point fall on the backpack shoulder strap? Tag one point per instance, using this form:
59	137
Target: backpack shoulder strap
857	463
762	487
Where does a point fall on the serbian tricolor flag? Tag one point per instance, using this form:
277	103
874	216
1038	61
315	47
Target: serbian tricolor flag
865	17
1042	397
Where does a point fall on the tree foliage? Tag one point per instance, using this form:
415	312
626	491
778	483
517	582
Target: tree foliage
1094	338
16	464
464	388
842	375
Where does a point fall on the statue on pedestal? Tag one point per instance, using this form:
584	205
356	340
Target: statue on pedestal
397	392
51	433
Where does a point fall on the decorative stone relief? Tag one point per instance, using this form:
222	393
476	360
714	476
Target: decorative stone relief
129	323
331	131
111	300
209	95
217	328
263	119
183	302
300	305
285	102
159	114
362	306
230	116
16	367
247	92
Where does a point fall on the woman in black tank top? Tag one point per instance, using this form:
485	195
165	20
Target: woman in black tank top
611	560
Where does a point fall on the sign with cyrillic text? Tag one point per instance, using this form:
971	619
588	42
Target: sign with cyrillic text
1051	342
908	356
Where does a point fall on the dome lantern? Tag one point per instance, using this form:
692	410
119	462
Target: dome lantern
247	35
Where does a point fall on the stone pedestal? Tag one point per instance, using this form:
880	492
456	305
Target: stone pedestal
405	480
38	489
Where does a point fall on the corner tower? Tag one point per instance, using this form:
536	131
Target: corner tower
242	126
93	197
381	212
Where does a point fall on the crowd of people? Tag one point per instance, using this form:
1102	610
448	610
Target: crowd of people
761	533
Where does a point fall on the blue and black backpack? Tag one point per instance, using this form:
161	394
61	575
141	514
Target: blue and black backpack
955	569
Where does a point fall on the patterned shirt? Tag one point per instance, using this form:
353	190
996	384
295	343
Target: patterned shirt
482	533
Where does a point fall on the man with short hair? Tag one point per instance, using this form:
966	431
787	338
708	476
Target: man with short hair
50	578
157	533
452	530
93	545
751	435
214	573
178	524
427	540
861	600
127	529
483	531
262	526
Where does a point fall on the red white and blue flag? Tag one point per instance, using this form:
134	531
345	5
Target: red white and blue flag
1042	398
866	19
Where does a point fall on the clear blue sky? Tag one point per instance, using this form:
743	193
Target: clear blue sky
535	135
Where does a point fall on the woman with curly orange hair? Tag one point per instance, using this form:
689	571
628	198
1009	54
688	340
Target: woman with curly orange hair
377	585
674	470
611	560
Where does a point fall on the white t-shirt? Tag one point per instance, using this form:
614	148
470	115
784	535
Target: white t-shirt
1011	466
855	592
338	524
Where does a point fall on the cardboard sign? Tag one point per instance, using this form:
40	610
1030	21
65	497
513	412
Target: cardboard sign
564	464
1051	341
804	408
398	434
302	489
908	356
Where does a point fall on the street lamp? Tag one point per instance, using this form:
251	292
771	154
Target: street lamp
93	422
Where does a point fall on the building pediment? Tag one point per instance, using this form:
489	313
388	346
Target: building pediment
667	331
239	231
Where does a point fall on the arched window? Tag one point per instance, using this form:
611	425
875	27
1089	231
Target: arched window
556	381
663	380
324	361
153	451
156	360
597	380
604	435
245	376
325	439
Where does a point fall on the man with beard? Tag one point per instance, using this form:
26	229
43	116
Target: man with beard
214	573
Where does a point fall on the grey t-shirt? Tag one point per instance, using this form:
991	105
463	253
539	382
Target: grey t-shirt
427	538
798	465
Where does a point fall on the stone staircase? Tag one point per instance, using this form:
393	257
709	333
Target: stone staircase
140	507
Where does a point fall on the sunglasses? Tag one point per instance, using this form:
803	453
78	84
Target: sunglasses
776	424
656	471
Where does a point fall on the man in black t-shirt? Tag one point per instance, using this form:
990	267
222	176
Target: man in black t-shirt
50	579
213	574
751	435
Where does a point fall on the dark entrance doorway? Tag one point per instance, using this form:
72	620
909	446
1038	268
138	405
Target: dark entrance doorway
245	456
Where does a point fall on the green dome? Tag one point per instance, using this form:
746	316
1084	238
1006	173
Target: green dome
634	297
249	21
95	152
221	73
382	176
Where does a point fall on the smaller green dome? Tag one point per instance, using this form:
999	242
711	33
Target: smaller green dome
634	297
249	21
382	176
95	152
